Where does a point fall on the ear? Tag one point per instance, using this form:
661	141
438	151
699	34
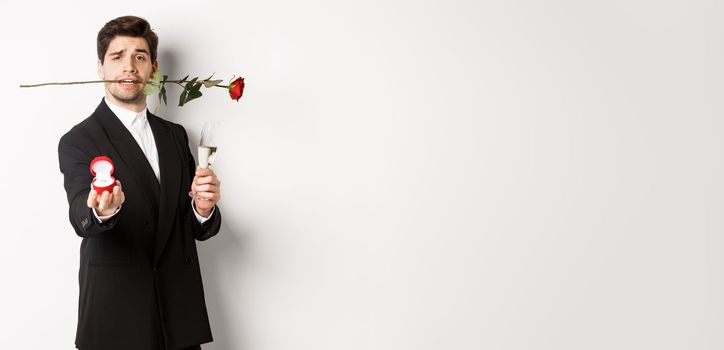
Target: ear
100	70
155	68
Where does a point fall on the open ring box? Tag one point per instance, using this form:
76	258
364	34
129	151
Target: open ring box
101	168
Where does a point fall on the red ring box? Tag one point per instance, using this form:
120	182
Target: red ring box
102	169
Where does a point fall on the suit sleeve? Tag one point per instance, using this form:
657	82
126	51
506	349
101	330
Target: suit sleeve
74	155
211	226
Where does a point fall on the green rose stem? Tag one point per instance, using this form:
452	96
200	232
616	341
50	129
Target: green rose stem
191	88
114	81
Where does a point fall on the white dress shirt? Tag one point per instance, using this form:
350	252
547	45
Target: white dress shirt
137	125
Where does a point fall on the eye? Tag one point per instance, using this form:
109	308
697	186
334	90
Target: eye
114	58
141	57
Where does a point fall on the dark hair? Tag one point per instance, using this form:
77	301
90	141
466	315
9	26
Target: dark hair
126	26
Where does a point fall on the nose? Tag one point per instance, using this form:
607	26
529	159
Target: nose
129	66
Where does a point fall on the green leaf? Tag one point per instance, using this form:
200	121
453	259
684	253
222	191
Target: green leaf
193	94
212	75
211	83
184	79
157	77
190	84
165	77
149	89
163	94
182	99
191	91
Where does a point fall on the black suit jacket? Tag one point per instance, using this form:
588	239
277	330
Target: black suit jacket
140	282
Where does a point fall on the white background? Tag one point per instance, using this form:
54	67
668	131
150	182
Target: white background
406	174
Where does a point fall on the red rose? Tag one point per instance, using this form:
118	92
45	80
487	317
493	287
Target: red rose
236	89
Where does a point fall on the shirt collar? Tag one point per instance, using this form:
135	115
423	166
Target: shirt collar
126	116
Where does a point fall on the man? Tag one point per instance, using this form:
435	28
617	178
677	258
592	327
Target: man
140	282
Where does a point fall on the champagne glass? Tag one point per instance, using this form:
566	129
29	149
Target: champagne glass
207	147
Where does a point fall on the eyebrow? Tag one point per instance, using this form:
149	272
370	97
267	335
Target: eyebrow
121	51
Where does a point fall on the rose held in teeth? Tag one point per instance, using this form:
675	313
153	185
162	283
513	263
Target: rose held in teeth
129	73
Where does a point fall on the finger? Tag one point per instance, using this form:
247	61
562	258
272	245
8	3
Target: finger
204	204
103	203
119	196
204	195
116	197
92	198
208	180
204	172
210	196
207	188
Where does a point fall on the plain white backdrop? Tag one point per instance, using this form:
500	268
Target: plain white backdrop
403	174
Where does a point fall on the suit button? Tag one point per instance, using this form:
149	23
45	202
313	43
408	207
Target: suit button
189	261
155	269
147	224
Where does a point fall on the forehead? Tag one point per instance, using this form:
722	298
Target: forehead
127	43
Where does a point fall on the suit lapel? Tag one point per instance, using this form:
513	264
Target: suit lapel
162	198
130	154
170	165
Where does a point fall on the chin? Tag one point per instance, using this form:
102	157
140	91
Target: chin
128	98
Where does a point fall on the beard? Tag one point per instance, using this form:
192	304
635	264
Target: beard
127	96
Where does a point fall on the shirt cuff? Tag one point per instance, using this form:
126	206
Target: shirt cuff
200	218
103	218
